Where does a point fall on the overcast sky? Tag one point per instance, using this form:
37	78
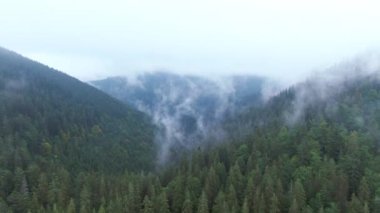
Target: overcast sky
284	39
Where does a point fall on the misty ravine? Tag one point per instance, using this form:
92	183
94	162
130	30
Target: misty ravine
225	145
188	110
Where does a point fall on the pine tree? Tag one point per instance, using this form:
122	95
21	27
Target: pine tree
19	199
163	203
355	205
294	208
364	192
178	193
71	207
187	205
53	192
43	189
220	204
341	186
274	205
250	192
366	208
235	179
261	205
34	202
64	188
245	208
212	184
299	194
203	204
231	198
133	201
147	205
85	200
101	209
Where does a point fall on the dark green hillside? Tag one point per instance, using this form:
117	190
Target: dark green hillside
189	110
48	114
312	148
325	160
319	156
52	124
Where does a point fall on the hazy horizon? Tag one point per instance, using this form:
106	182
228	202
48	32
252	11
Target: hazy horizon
277	39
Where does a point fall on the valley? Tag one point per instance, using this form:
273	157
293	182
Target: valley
179	143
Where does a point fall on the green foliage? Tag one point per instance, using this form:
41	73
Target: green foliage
147	205
203	204
53	128
65	147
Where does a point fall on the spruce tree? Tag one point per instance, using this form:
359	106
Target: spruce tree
187	205
203	204
147	205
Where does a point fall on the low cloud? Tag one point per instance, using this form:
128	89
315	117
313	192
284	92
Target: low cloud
323	86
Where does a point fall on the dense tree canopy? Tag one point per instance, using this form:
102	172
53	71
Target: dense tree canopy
66	147
54	125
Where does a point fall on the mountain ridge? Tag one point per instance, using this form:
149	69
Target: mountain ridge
51	104
188	110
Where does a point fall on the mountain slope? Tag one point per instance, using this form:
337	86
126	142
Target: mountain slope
45	113
188	109
312	148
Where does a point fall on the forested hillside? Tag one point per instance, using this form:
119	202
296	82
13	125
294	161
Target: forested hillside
326	161
67	147
189	110
54	128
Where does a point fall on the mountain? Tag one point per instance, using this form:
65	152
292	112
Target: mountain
312	148
54	128
50	119
67	147
188	109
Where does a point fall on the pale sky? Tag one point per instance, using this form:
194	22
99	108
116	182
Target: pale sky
283	39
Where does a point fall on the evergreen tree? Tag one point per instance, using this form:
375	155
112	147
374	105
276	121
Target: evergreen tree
299	194
187	205
274	205
147	205
231	198
163	205
364	192
294	208
102	209
245	208
71	207
85	200
133	201
212	184
203	204
355	205
220	204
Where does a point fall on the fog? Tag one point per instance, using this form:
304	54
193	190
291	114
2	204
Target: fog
188	111
325	85
284	40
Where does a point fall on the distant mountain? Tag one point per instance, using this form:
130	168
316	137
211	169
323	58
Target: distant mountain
67	147
188	109
312	148
348	100
47	116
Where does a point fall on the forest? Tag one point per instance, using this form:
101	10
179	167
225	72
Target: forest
67	147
